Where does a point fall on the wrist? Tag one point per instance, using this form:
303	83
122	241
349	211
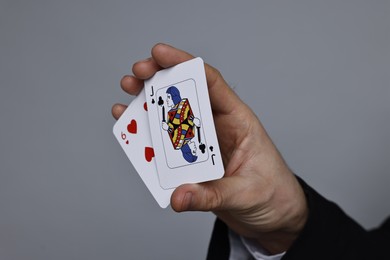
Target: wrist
291	216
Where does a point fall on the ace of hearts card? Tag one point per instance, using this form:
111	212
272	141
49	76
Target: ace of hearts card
182	126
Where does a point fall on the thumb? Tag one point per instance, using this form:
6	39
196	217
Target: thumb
207	196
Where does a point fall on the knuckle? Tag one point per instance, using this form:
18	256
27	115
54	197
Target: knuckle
216	72
214	199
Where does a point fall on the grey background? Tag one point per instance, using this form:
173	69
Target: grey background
316	73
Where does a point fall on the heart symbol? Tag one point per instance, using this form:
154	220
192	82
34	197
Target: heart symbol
149	153
132	127
146	106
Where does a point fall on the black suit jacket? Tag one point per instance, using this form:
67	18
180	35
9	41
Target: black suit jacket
328	234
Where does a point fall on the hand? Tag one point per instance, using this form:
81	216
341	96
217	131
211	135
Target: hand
258	197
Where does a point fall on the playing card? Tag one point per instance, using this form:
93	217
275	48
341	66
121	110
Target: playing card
132	132
182	125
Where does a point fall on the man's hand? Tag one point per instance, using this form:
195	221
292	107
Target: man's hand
258	197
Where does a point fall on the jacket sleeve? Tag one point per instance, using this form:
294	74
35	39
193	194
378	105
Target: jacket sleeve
328	234
219	247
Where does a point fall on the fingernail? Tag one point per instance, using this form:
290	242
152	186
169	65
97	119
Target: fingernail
187	200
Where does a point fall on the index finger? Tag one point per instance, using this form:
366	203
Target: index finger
222	98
